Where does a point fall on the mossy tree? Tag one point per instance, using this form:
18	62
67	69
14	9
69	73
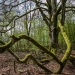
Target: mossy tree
51	21
61	62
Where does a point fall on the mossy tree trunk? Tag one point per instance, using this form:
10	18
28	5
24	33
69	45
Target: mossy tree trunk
68	50
51	20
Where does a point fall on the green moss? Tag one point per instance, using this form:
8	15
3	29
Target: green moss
45	61
72	60
25	59
68	50
53	51
16	39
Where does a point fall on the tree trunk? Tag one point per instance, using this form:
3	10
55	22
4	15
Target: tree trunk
53	30
53	35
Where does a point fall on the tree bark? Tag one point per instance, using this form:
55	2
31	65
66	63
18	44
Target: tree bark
53	30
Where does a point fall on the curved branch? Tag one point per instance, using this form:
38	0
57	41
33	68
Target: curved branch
16	17
4	31
25	59
13	18
68	43
68	50
15	39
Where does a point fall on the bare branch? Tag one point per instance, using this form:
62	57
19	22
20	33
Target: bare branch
60	7
70	7
18	17
43	15
4	31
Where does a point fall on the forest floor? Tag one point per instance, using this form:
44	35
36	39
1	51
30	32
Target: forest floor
7	66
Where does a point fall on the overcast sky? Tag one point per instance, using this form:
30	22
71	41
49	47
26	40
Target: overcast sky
20	7
45	0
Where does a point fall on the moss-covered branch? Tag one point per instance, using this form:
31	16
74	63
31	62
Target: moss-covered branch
68	50
62	63
68	43
25	59
71	56
15	39
72	59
